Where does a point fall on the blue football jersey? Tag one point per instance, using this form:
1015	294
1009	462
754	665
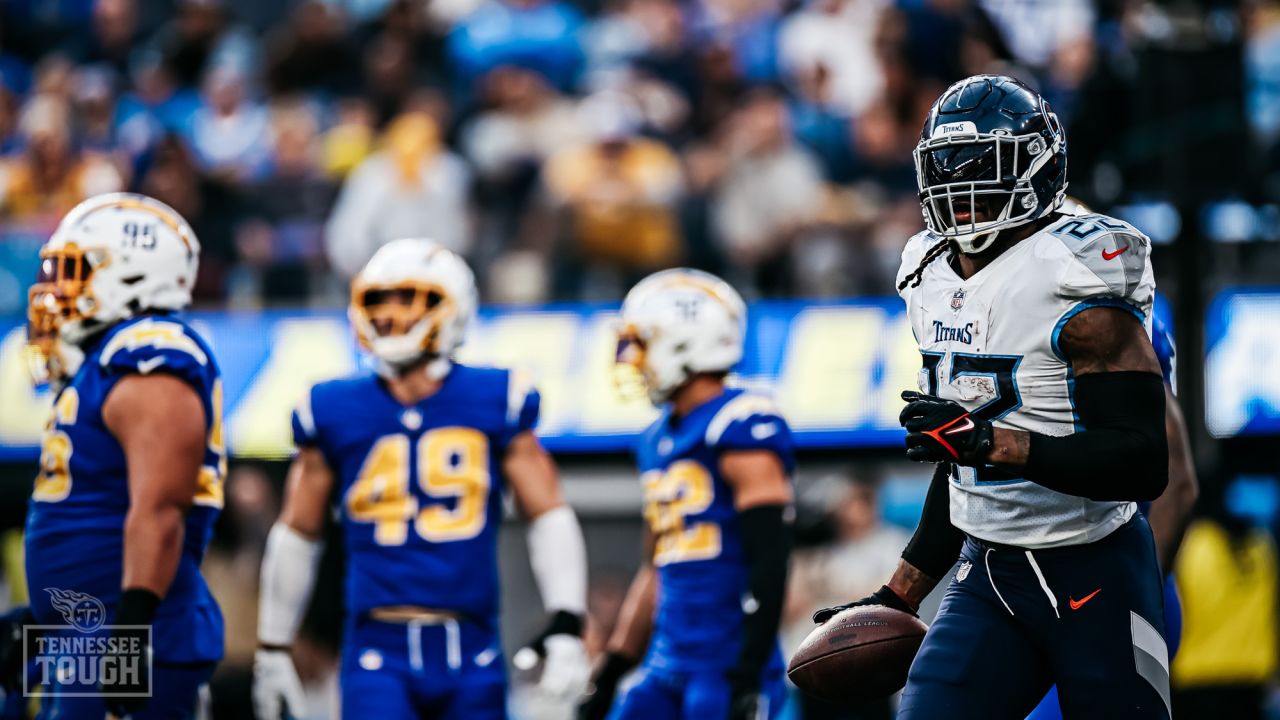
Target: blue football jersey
75	525
702	576
420	487
1166	351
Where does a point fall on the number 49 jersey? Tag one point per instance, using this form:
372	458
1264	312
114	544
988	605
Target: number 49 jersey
991	343
702	575
75	525
419	486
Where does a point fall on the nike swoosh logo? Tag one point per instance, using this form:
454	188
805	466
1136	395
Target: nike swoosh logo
1077	604
146	366
966	427
1114	254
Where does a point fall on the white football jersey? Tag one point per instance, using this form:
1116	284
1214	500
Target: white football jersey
990	343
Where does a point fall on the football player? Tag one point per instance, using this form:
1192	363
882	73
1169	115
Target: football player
1169	514
1042	400
716	467
132	463
417	456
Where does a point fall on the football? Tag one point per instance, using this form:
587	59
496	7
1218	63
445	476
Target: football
861	654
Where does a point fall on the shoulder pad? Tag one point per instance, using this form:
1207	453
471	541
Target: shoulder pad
523	401
741	408
304	421
1112	258
912	253
151	344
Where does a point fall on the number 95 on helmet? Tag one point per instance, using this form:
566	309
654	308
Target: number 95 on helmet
112	257
674	325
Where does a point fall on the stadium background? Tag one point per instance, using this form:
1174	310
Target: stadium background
568	147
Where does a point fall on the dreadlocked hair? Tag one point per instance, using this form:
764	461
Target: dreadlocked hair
913	280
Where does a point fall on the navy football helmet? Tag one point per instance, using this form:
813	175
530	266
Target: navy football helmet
992	156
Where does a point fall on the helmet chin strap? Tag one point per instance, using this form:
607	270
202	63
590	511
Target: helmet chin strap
436	367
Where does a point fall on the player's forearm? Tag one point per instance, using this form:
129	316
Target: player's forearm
911	584
1121	454
152	547
635	620
766	545
289	567
934	546
1171	512
1169	516
558	557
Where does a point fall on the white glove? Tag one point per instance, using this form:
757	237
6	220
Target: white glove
277	691
566	669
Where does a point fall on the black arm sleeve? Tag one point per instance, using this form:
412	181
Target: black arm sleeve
936	544
766	545
1121	454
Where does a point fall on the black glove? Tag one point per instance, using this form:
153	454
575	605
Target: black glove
562	622
943	431
744	701
137	607
884	596
604	685
11	654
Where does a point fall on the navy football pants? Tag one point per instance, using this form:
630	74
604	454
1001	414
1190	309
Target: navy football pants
671	695
448	671
1014	622
176	695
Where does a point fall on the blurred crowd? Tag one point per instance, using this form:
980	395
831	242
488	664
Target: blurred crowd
564	146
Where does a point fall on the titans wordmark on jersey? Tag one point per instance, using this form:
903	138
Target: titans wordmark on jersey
991	343
689	506
75	525
419	486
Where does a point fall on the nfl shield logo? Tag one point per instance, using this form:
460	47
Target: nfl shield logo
963	571
957	300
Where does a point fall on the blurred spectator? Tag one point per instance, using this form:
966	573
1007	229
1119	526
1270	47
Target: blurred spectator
611	201
746	30
414	187
389	75
524	123
94	110
50	175
1262	71
349	140
831	44
114	36
199	37
768	189
155	106
9	108
1228	577
538	35
863	554
311	54
1055	39
669	56
1037	31
285	245
169	173
820	125
230	132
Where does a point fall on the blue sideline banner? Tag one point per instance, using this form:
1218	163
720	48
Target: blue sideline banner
1242	363
835	368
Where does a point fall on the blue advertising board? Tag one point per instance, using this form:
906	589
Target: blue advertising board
1242	363
836	369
